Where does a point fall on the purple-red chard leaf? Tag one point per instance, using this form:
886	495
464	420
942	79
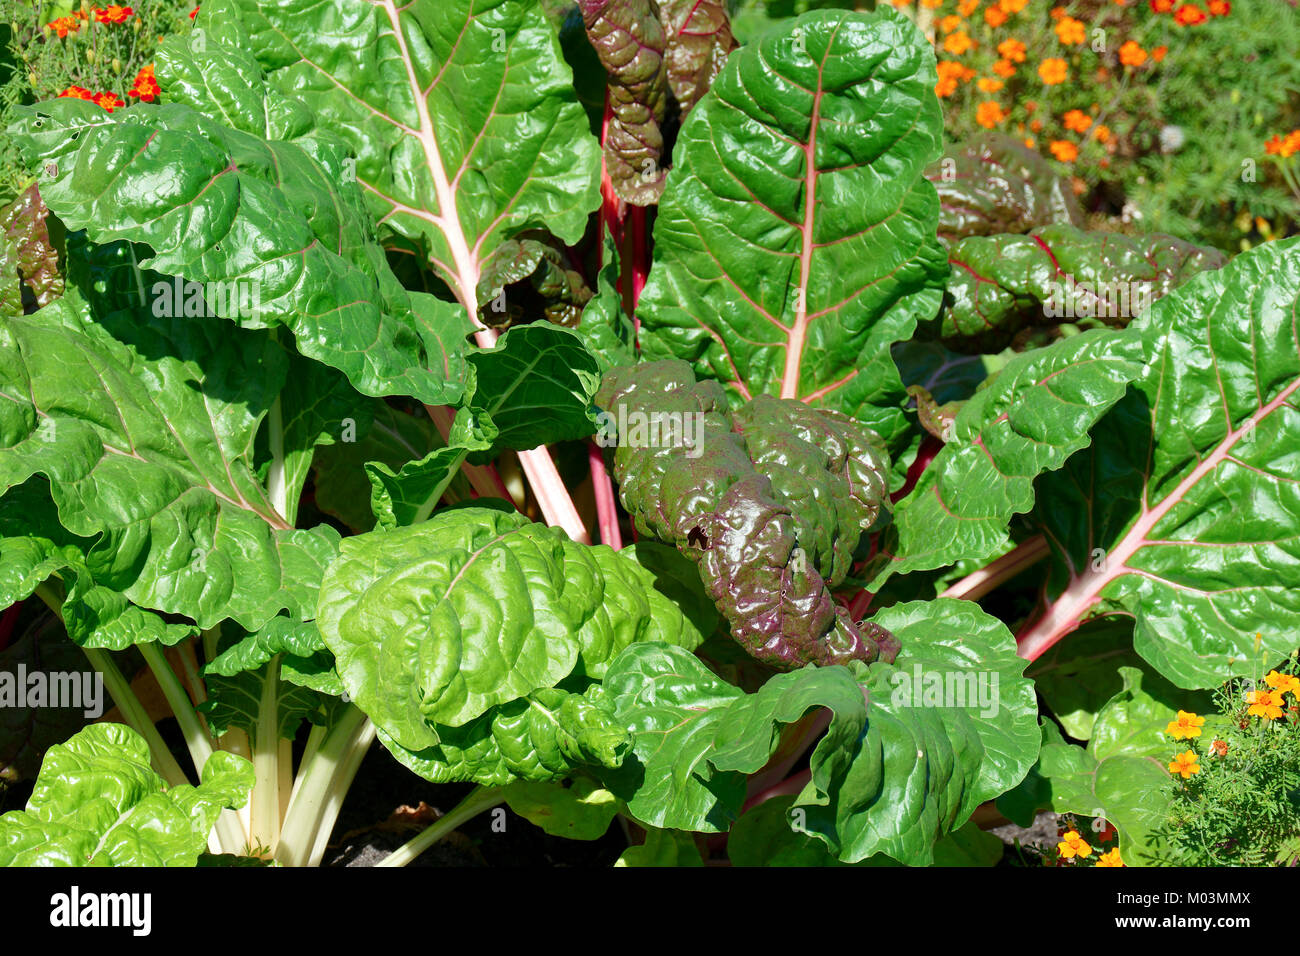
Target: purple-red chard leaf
1003	285
770	499
699	40
1185	512
27	257
629	38
795	240
993	184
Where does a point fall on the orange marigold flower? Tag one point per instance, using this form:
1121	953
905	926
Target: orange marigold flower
931	4
1159	53
988	84
1004	68
1070	31
1029	141
1132	54
1185	764
1012	50
1283	683
64	25
950	70
1264	703
1053	71
1219	8
1073	845
1220	748
1011	6
1102	133
995	17
1161	6
112	14
1110	858
1036	125
1189	15
1186	725
945	87
1058	12
989	114
1077	121
950	23
109	101
146	87
958	43
1030	106
1064	150
967	7
78	93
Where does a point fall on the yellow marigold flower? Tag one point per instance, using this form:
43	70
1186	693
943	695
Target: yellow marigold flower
989	114
1185	726
1012	49
1073	845
1070	31
1110	858
1053	71
989	85
1283	683
1264	703
1077	121
1132	54
1185	764
958	43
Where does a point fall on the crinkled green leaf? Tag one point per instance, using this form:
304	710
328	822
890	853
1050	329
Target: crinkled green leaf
604	327
582	811
543	736
1027	420
1000	285
926	759
461	114
98	803
256	208
1185	512
145	427
993	184
695	737
769	499
437	623
795	240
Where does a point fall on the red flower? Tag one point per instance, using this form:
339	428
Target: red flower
1189	16
110	101
146	87
113	14
195	12
78	93
64	25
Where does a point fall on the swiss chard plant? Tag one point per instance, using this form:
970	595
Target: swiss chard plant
628	422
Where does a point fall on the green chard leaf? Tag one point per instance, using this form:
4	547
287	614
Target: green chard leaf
450	633
98	803
233	190
795	240
1189	487
582	811
1026	420
145	427
461	114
